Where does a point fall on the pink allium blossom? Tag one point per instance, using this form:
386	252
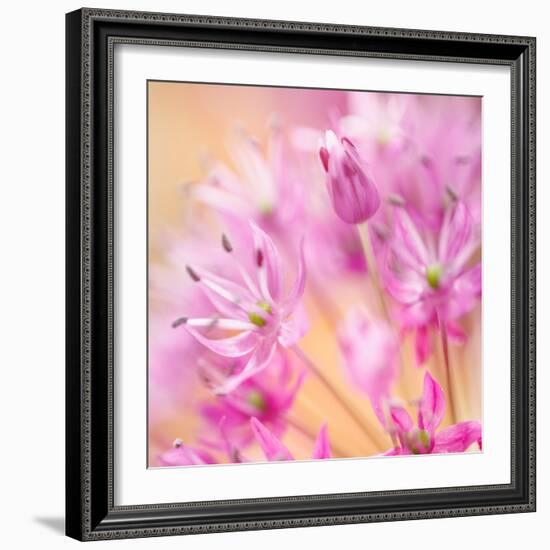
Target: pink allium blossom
352	192
424	438
335	247
172	355
377	121
431	277
255	307
265	187
420	148
370	351
267	396
274	450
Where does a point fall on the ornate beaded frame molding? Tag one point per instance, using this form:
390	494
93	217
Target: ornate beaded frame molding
91	38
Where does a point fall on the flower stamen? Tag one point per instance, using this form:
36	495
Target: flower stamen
256	399
434	273
192	273
256	319
226	243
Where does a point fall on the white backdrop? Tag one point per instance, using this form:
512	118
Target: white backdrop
137	485
32	278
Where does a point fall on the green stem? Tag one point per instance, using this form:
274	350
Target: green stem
448	374
374	275
336	393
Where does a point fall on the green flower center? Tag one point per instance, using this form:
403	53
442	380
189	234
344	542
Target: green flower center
265	207
384	135
424	438
256	318
419	442
256	399
265	306
434	273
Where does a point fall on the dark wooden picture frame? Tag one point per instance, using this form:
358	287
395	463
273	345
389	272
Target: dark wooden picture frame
90	510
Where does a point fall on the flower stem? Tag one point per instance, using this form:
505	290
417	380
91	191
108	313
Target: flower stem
340	397
376	281
448	373
374	275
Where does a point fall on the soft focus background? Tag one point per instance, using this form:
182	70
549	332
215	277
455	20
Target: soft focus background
191	127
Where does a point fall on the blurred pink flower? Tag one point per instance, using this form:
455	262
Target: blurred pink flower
183	455
424	149
171	371
424	438
267	396
370	352
446	134
274	450
431	277
255	308
352	192
265	187
377	120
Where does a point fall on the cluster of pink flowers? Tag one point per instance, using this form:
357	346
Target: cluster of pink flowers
388	194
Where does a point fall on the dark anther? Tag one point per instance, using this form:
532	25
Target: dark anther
226	244
396	200
259	258
192	274
452	193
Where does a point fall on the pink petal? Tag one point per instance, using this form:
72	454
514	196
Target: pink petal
220	176
432	405
458	437
422	345
409	244
403	283
269	263
224	293
401	418
369	349
305	139
469	282
234	346
455	232
350	186
270	444
218	323
466	292
297	290
221	200
324	155
252	164
455	332
417	314
184	456
322	444
396	451
233	452
257	362
293	329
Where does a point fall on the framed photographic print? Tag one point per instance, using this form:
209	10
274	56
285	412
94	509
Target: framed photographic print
300	274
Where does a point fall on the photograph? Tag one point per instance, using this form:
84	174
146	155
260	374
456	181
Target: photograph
314	274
